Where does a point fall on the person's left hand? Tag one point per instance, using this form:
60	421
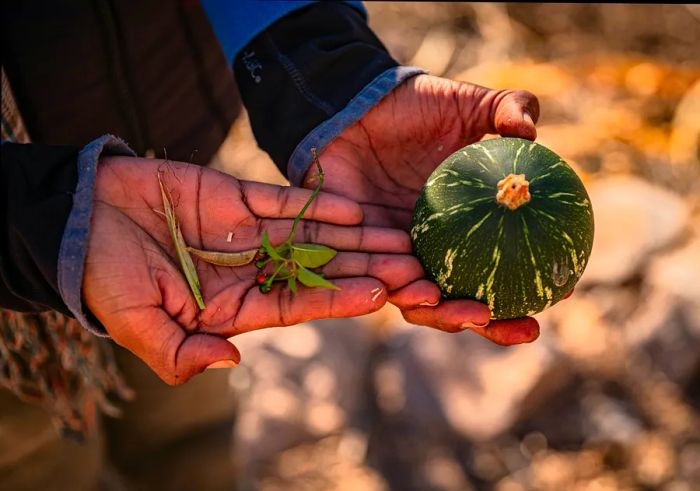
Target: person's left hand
383	160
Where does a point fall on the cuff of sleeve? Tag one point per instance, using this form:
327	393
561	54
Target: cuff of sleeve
71	256
358	106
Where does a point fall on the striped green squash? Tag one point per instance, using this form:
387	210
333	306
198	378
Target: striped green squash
506	222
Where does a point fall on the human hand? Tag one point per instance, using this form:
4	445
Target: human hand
133	283
384	159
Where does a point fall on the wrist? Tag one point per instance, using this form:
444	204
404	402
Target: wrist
74	242
303	70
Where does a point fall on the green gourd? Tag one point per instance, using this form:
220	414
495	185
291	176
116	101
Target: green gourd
506	222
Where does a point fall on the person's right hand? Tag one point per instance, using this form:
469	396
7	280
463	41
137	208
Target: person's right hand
134	286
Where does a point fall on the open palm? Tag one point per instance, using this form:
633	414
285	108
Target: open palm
134	286
384	159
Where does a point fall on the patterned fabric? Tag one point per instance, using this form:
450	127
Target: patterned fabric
49	359
12	126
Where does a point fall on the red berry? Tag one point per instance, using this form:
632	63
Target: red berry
261	278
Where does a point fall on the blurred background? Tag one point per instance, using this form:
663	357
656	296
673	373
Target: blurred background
609	397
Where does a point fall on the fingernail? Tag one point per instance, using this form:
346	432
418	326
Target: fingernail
471	325
223	364
428	304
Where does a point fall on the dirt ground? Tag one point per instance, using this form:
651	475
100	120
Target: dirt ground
609	397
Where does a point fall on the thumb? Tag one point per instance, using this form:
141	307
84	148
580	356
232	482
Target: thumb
200	351
516	113
506	112
173	354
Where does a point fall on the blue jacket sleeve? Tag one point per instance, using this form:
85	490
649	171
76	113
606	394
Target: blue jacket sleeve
237	22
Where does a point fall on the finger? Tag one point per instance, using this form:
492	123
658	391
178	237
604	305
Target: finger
515	114
224	296
421	293
369	239
163	345
393	270
568	294
450	315
509	332
279	307
271	201
385	216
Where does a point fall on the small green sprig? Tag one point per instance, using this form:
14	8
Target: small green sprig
291	261
288	261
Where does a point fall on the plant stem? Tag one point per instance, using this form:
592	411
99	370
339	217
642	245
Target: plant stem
282	265
313	196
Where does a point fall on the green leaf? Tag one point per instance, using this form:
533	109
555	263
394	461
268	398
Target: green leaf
292	283
309	278
283	250
312	255
269	248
